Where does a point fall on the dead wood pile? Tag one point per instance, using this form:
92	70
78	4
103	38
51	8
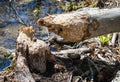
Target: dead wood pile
36	63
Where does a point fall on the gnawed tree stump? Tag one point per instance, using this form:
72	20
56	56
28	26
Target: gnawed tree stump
22	72
31	54
86	23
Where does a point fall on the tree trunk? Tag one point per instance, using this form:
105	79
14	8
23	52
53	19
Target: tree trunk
31	54
84	23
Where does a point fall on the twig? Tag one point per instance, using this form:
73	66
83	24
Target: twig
93	64
119	39
71	53
114	39
99	56
91	71
78	79
117	3
70	77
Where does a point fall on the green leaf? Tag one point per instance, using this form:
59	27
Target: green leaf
104	39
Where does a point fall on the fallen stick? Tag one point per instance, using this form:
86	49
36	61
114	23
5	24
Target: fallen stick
71	53
83	24
114	37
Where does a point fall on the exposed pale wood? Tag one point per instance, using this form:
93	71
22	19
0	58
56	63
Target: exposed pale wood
84	23
114	37
32	55
71	53
22	73
119	39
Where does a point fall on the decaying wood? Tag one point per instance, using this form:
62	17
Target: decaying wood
85	23
22	73
31	55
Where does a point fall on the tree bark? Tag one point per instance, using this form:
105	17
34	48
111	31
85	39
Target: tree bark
84	23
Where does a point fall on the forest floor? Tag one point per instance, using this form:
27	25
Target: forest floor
100	63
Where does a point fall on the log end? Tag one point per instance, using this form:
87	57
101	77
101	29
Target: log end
73	27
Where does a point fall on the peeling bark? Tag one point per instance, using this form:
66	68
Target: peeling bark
83	24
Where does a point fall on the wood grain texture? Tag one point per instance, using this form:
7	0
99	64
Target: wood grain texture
84	23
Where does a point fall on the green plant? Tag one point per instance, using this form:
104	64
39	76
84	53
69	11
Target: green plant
104	39
36	12
69	6
93	5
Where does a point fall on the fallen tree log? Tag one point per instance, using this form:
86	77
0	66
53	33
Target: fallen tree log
84	23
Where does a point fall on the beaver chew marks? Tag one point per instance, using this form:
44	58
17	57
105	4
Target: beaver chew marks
72	27
95	24
36	51
28	31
